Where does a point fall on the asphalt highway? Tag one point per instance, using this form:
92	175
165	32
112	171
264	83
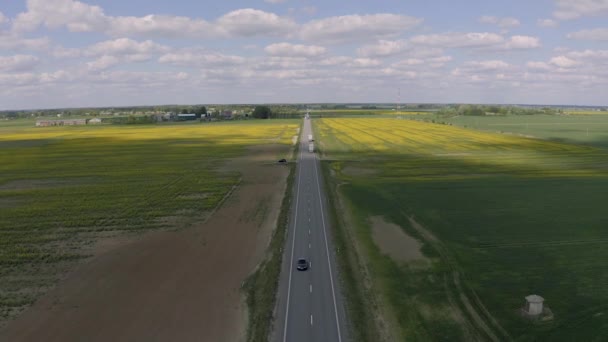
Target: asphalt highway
309	305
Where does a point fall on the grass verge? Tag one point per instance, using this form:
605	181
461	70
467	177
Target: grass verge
262	286
357	297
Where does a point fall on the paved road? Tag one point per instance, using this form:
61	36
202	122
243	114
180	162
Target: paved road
309	305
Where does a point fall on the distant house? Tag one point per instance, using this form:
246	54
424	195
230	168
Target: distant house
227	115
184	117
94	121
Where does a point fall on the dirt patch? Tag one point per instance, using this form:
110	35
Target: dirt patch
358	171
180	285
393	241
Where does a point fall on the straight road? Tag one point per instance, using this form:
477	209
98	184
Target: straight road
309	305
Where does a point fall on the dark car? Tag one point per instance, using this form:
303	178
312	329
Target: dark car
302	264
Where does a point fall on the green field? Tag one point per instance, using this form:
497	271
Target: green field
567	128
64	188
499	217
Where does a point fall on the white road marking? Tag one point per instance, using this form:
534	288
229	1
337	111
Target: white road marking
331	277
310	319
293	243
309	232
310	288
308	245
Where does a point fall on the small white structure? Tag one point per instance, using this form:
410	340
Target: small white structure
311	147
534	305
94	121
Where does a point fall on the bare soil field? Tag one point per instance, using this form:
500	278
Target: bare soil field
392	240
168	286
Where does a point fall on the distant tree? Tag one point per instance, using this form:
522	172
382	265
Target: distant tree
200	111
261	112
184	111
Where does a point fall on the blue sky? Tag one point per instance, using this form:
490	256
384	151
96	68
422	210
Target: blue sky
69	53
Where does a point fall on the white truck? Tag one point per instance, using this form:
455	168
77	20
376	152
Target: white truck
311	147
310	138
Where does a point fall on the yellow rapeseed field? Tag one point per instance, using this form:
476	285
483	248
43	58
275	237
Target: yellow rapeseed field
437	146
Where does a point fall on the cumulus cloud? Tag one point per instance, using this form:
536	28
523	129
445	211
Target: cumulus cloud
563	62
599	34
522	42
352	28
102	63
3	18
295	50
506	22
546	23
77	16
14	42
200	59
574	9
483	66
18	63
275	1
538	65
383	48
125	46
250	22
458	40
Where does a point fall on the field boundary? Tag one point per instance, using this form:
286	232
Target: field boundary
361	306
261	287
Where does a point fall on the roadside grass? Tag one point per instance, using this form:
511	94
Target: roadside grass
64	188
501	217
261	287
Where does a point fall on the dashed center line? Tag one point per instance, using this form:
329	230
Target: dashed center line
310	288
310	319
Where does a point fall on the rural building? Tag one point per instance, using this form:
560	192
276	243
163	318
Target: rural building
94	121
227	115
534	305
184	117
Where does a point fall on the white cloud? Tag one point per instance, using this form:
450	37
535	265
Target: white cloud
200	59
546	23
159	26
491	65
599	34
353	28
574	9
538	65
522	42
365	62
18	63
383	48
250	22
77	16
3	18
563	62
275	1
103	63
506	22
458	40
13	42
125	46
295	50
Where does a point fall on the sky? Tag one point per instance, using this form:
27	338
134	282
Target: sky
103	53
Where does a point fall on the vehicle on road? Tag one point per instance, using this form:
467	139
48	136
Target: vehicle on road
310	138
302	264
311	147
